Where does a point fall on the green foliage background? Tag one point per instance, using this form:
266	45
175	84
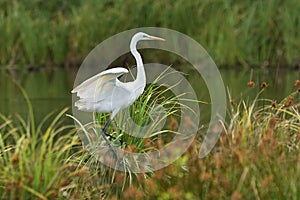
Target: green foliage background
248	33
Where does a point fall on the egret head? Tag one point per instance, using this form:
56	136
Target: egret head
145	36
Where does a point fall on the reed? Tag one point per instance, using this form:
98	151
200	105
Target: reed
257	156
234	33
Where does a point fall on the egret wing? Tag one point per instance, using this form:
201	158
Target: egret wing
101	83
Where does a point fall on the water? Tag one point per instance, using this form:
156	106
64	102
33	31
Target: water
280	83
49	90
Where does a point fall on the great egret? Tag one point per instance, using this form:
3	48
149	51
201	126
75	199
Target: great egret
104	93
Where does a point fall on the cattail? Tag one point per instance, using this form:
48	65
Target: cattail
297	83
288	101
159	174
131	148
267	135
236	195
15	159
205	176
160	143
174	192
267	181
151	186
64	182
8	186
29	178
218	160
263	85
81	172
232	102
272	123
187	122
173	124
251	84
120	177
147	142
133	193
54	194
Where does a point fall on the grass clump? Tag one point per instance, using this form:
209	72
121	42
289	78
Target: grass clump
257	157
145	119
142	128
32	161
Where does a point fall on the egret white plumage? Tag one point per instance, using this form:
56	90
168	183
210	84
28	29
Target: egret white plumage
104	93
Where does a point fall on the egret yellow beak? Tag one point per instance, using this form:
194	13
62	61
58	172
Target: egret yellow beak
155	38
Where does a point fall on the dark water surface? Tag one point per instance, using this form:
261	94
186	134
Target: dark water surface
49	90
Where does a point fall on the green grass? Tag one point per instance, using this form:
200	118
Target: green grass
142	128
146	118
248	33
32	162
257	156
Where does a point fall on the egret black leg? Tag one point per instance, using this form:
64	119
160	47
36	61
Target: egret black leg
106	124
107	141
105	128
104	134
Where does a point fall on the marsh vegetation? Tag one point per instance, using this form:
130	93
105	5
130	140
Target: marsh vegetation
257	155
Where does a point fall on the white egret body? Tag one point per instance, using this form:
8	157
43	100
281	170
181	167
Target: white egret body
104	93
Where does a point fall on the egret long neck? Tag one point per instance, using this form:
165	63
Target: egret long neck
141	76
